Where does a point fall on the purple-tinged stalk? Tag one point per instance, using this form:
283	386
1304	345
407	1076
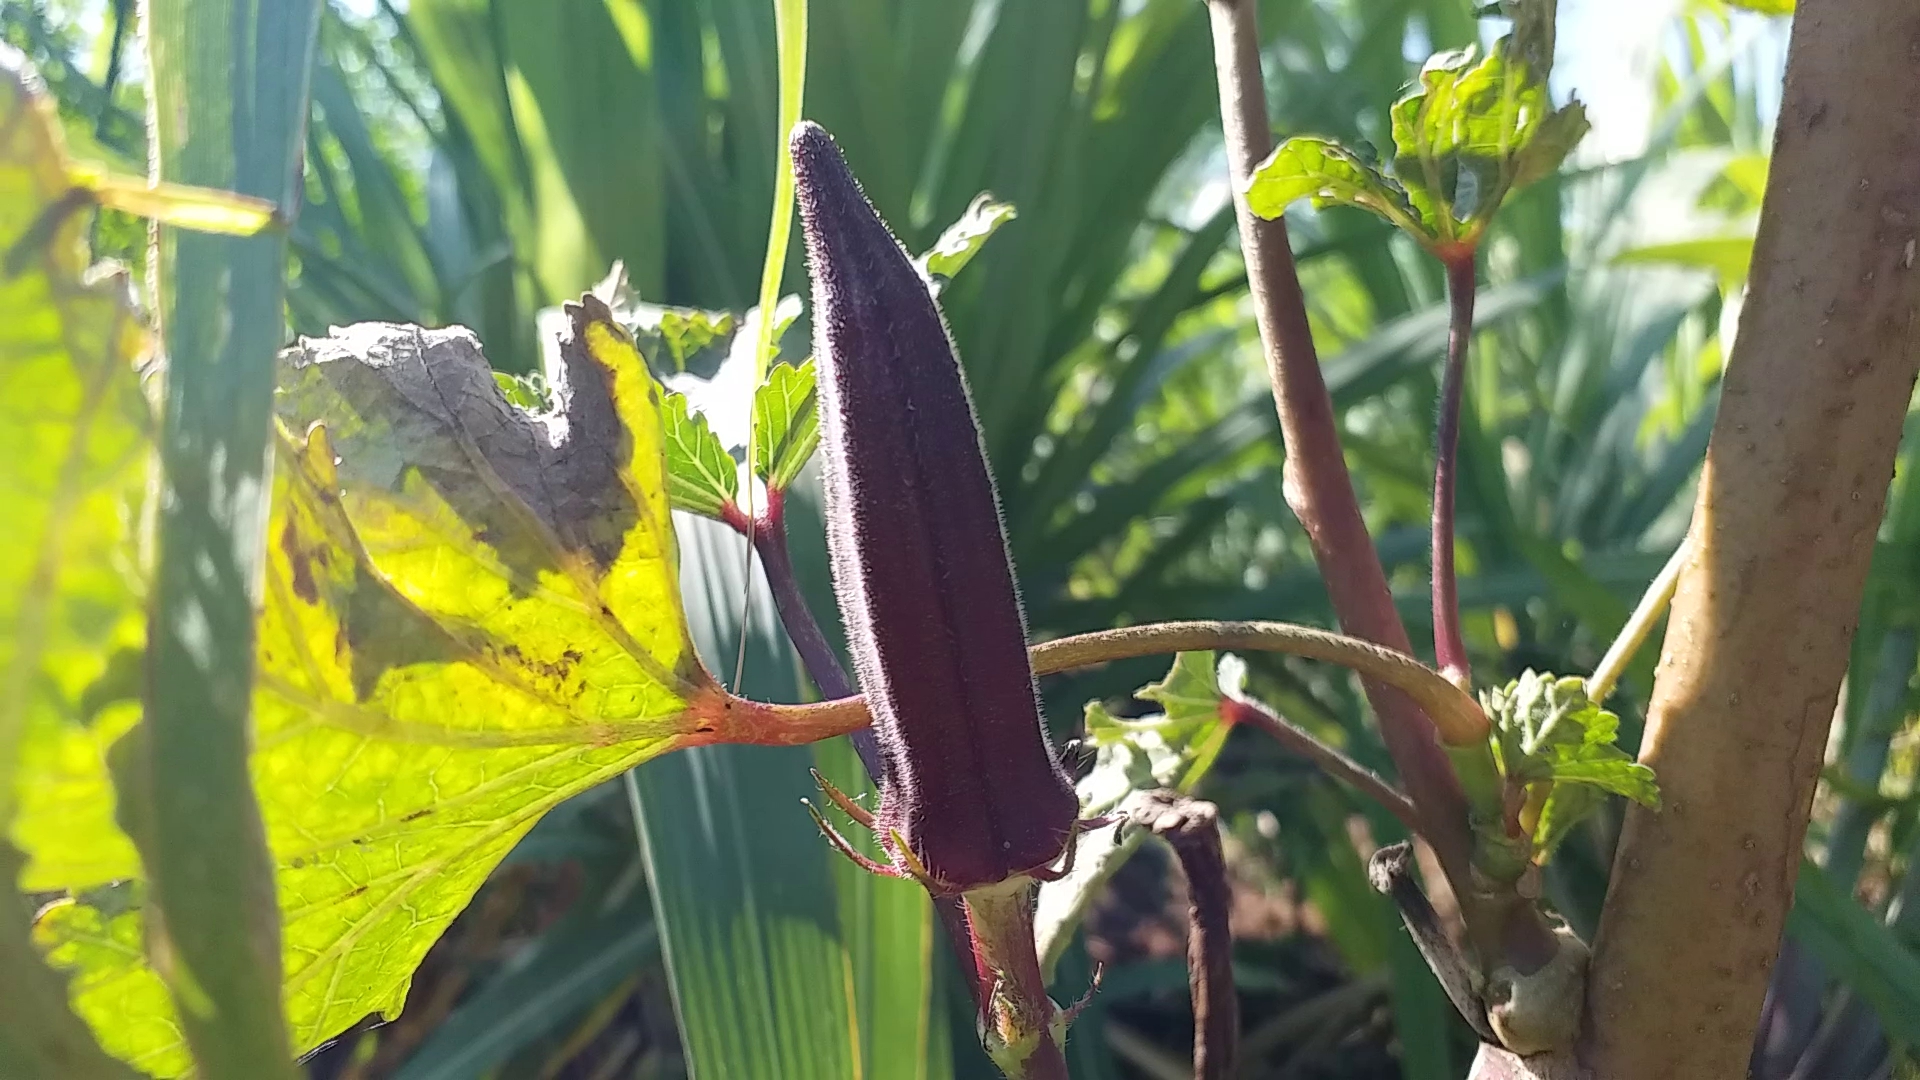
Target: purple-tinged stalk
973	801
1318	487
1449	645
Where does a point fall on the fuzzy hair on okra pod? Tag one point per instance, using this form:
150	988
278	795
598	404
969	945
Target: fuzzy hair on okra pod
971	791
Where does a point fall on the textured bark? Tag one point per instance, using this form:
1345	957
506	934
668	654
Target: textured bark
1792	493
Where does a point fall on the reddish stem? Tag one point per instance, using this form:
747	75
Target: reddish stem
1318	488
817	655
1192	829
1331	761
1449	646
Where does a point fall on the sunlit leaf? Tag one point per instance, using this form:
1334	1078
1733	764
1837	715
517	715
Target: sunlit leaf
1727	257
671	338
182	206
1549	736
1466	135
786	423
966	236
74	459
1305	167
100	939
702	477
1765	7
472	614
1552	141
1472	130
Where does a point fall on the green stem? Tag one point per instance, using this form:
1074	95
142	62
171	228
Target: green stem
1457	716
1646	615
1018	1022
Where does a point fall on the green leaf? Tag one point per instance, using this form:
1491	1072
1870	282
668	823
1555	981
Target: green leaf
100	938
39	1034
786	959
1726	256
786	423
1552	141
1459	135
1172	750
672	339
1551	737
529	392
1306	167
1858	948
1467	135
75	454
1765	7
467	621
702	477
966	236
182	787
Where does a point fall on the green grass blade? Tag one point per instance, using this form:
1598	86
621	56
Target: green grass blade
786	963
230	82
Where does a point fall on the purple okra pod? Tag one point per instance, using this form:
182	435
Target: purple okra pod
971	792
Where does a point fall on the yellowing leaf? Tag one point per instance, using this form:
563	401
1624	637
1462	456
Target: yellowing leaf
73	469
183	206
472	613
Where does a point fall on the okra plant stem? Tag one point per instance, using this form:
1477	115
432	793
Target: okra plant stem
1449	646
1318	487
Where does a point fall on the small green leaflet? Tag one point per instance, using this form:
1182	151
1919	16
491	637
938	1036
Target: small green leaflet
1174	749
1307	167
673	339
786	424
702	477
701	470
1467	135
1551	737
964	238
1765	7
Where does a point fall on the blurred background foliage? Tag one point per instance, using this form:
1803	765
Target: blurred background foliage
476	161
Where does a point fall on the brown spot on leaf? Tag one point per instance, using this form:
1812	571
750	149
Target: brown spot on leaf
297	561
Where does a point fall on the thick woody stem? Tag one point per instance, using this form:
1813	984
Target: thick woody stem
1810	417
1449	646
1318	488
1192	829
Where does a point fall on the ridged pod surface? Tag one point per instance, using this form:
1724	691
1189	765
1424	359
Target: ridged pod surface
970	785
